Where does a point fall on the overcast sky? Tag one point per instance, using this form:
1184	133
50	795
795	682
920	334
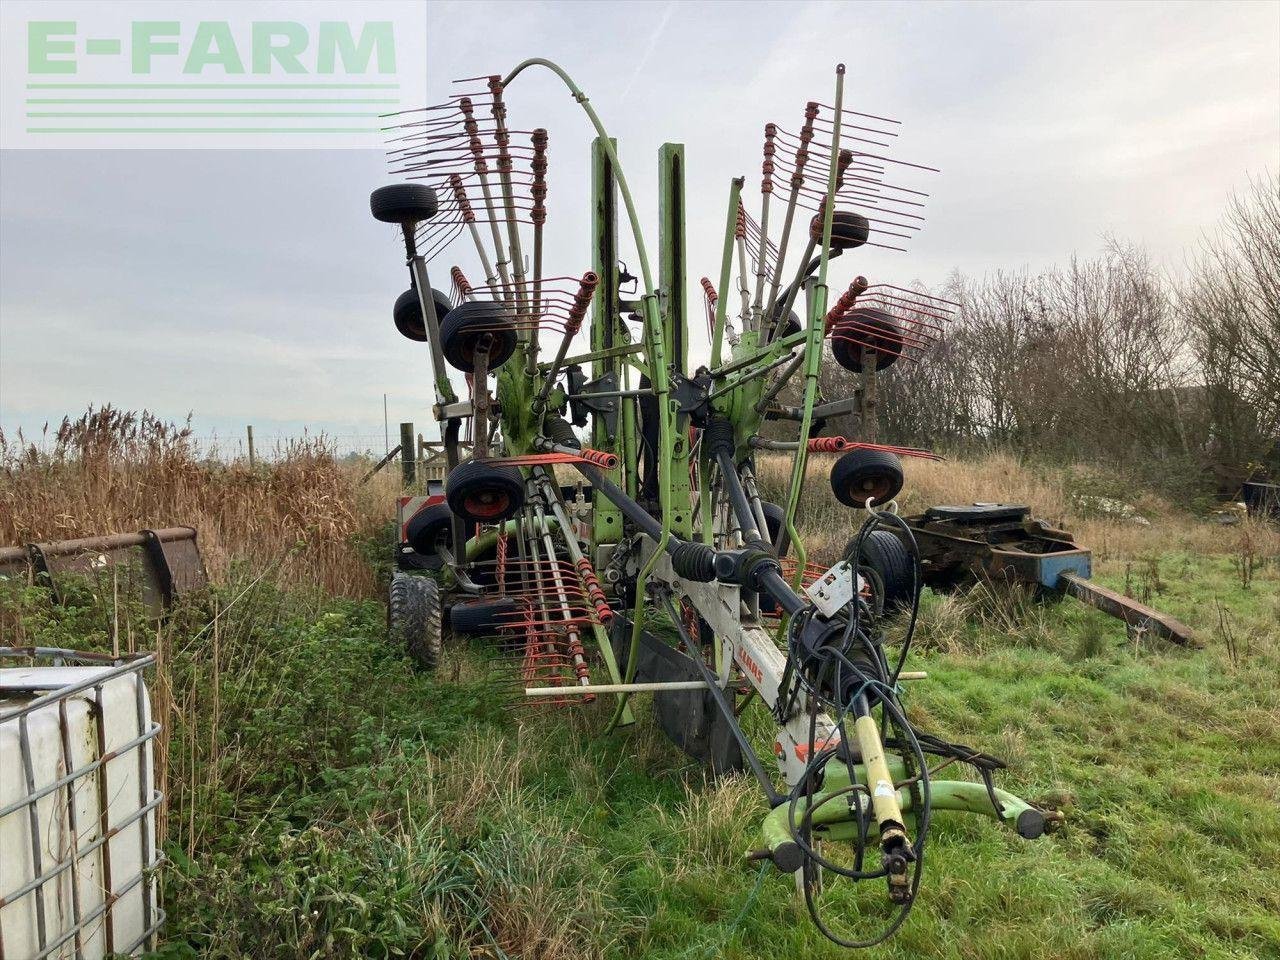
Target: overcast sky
253	286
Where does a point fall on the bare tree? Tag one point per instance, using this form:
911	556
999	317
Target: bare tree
1233	308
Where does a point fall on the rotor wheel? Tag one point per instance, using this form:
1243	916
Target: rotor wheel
865	476
403	203
414	618
466	324
873	329
848	229
408	313
484	492
483	617
429	531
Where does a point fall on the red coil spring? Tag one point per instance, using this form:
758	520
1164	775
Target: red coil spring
500	135
827	444
539	166
595	593
806	136
581	300
844	304
502	562
460	195
710	291
608	461
460	280
766	168
740	228
473	135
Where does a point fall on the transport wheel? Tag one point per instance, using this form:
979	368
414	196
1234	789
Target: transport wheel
462	329
483	616
408	313
862	475
428	531
848	229
403	203
888	557
876	330
484	492
414	618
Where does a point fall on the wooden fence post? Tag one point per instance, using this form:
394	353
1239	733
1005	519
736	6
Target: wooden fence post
408	458
252	459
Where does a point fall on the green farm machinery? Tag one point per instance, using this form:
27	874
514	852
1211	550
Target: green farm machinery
602	516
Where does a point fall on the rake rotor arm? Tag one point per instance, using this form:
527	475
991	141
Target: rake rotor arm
653	338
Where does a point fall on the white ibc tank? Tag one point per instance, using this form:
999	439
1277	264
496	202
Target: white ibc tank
78	805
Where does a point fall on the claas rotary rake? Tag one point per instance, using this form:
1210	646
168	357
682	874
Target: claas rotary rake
662	570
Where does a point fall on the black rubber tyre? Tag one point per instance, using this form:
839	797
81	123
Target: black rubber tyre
414	618
484	492
403	203
482	617
848	229
462	329
793	321
866	474
408	313
427	531
407	558
885	554
872	328
875	329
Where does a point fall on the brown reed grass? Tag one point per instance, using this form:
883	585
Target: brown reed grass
113	471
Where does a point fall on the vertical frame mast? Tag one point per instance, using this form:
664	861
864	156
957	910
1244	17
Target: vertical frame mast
607	518
673	300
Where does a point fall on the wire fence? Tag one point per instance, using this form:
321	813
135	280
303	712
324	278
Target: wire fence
268	447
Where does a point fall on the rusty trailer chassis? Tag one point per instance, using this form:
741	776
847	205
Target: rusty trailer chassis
1002	543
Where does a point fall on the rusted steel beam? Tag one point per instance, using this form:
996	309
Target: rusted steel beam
171	562
380	464
1135	614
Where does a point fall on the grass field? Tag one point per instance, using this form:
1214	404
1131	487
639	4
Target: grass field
327	800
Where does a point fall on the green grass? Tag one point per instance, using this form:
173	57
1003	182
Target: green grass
343	804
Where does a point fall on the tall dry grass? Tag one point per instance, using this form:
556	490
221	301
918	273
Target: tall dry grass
114	471
306	513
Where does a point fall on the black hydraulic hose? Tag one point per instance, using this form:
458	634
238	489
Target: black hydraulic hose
737	495
630	509
769	579
772	583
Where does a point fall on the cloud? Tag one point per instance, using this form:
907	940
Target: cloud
255	285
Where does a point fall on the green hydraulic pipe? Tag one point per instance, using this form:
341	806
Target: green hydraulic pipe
813	345
726	267
477	546
831	811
